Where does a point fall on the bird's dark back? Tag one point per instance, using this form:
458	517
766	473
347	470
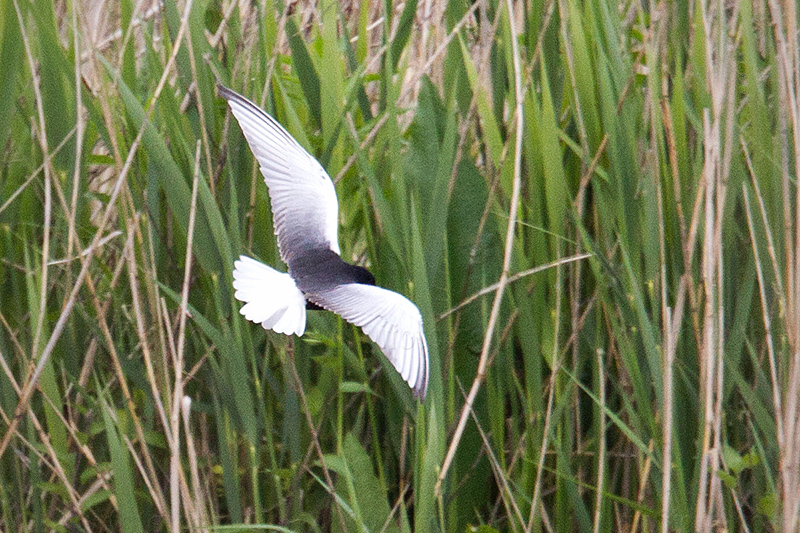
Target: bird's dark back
320	269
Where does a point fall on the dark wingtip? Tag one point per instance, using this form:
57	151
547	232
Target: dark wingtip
422	387
226	93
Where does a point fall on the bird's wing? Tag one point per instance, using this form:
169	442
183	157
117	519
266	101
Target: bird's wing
304	206
389	319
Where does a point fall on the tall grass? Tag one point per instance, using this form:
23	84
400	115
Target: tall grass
594	205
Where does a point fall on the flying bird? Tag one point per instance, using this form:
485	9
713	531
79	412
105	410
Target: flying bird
305	213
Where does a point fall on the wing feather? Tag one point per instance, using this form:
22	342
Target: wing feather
390	320
304	206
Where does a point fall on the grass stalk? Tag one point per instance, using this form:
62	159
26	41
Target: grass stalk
473	146
177	391
509	245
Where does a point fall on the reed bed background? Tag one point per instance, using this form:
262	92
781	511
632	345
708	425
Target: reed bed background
593	203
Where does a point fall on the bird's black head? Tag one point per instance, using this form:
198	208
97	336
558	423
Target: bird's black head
363	275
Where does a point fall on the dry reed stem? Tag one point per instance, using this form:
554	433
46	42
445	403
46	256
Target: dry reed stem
41	136
149	473
601	445
490	199
202	117
643	475
73	431
99	484
35	448
501	477
771	250
668	360
395	508
33	379
54	464
710	507
509	246
669	335
80	126
144	346
536	503
152	485
409	86
48	156
788	60
315	437
198	518
177	392
88	362
710	456
774	370
511	279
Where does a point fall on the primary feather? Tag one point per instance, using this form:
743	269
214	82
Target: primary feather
304	207
389	319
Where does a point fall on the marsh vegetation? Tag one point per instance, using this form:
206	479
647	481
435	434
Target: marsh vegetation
594	204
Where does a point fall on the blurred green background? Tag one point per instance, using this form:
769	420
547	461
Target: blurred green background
477	149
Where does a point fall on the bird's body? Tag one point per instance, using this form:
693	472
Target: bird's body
321	269
305	215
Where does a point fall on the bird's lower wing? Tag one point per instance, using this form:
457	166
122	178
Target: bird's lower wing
389	319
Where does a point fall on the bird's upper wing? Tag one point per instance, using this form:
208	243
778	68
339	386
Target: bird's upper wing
389	319
304	206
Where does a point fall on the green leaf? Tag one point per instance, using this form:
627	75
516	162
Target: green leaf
11	57
403	31
123	486
309	80
174	184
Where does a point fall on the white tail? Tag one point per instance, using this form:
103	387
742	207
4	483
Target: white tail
270	298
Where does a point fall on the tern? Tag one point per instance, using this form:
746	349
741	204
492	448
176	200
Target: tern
305	214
